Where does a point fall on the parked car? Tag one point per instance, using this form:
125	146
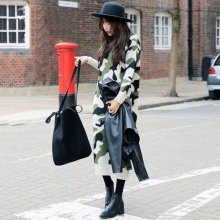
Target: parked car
213	80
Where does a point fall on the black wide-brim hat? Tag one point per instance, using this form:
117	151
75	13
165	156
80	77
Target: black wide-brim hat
112	10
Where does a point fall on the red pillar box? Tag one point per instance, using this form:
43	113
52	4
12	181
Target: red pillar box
66	54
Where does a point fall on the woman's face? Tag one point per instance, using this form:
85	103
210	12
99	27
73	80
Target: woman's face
107	27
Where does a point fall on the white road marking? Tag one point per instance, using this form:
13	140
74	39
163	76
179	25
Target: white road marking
30	158
72	210
78	211
176	128
192	204
176	177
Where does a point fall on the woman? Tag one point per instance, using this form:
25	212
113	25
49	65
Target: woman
118	59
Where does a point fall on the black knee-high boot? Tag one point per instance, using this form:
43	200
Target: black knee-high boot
116	205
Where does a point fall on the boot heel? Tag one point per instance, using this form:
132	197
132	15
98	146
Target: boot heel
121	211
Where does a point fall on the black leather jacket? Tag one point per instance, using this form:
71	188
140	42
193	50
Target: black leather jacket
122	135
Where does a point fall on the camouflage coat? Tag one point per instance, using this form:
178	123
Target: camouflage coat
127	75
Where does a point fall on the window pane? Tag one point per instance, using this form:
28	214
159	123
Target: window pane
157	20
135	19
20	11
135	29
11	11
3	24
3	37
12	37
21	24
165	21
166	31
164	41
12	24
156	41
217	62
21	37
3	10
156	30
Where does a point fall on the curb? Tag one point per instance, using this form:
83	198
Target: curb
24	120
154	105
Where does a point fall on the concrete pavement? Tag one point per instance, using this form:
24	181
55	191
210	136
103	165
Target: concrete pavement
31	103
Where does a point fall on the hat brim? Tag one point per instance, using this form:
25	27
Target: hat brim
111	16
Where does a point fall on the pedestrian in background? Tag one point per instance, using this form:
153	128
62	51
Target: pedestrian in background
118	59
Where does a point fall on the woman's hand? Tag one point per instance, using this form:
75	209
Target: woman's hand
84	59
113	106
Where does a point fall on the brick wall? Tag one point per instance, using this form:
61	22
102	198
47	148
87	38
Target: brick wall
51	24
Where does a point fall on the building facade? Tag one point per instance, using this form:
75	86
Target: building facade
29	30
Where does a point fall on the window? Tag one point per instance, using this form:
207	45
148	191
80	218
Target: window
14	24
218	33
162	31
217	62
134	15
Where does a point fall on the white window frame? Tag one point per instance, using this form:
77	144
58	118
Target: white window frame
162	31
26	17
218	33
131	13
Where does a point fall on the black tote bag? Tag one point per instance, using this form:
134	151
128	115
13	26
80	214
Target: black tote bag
69	141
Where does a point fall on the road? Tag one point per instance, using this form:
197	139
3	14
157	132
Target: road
180	145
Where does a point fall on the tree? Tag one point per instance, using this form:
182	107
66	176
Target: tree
174	49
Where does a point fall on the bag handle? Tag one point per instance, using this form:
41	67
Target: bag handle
64	99
77	85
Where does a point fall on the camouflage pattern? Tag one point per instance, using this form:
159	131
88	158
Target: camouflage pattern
127	75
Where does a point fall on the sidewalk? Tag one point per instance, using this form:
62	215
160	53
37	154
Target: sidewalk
19	105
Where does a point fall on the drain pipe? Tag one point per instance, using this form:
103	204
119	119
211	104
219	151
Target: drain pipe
190	40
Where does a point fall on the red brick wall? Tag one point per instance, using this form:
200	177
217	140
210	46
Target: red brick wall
51	24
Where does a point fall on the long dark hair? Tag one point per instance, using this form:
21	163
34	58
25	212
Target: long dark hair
115	43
